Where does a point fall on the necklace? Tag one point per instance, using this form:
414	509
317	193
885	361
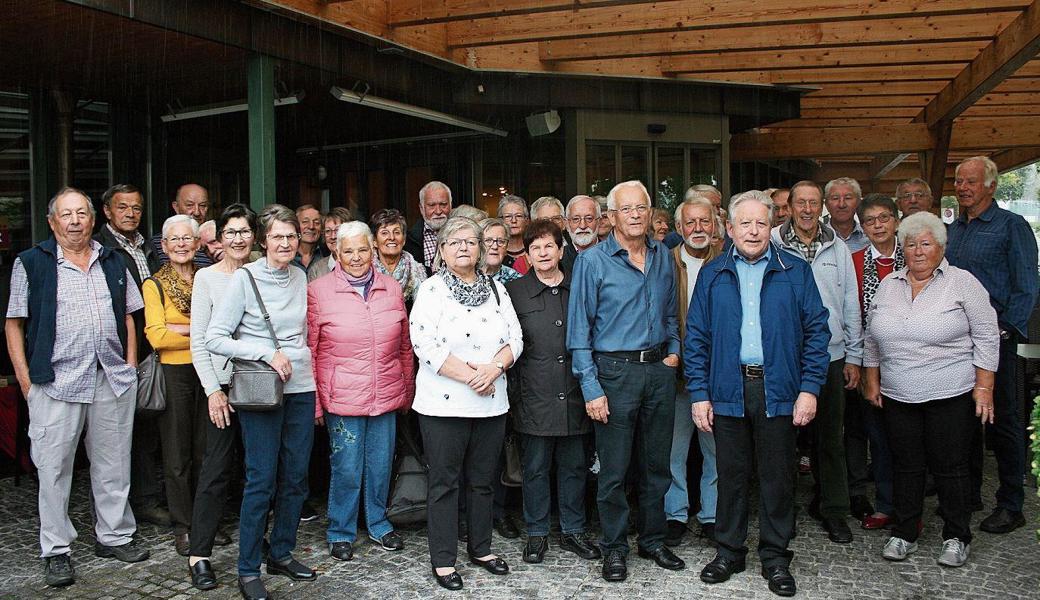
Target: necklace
278	276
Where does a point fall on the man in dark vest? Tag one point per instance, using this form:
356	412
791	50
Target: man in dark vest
72	342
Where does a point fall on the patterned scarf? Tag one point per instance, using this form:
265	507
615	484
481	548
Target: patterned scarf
176	289
408	273
364	282
467	294
871	281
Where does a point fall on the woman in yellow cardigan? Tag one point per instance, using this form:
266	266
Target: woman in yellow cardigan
167	312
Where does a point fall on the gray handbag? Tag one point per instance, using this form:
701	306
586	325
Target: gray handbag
255	385
151	385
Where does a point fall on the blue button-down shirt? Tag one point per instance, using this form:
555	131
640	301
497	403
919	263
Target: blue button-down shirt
750	274
615	307
999	249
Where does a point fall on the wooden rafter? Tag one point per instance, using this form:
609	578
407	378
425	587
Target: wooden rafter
419	12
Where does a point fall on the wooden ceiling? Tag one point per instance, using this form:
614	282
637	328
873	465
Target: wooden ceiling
893	87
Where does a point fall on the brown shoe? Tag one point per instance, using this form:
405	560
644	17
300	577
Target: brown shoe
182	543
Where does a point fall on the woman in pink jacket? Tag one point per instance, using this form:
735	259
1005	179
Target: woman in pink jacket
357	330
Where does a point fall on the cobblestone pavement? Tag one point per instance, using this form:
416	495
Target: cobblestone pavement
1004	567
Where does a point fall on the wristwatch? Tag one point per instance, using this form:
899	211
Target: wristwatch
500	366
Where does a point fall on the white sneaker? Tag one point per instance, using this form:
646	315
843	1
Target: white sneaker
898	549
954	553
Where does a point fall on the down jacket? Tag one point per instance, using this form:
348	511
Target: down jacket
361	351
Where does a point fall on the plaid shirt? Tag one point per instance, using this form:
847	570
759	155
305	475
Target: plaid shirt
134	248
808	251
429	240
85	333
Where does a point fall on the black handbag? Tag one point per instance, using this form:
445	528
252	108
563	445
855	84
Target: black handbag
151	385
408	488
255	385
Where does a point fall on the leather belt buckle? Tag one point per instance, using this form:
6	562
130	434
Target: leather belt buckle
753	371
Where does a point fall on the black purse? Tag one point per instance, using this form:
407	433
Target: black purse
151	385
255	385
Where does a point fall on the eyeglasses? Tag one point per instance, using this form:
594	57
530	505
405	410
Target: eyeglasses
883	218
846	197
627	210
231	234
280	239
455	243
909	195
587	219
186	239
514	217
492	242
814	204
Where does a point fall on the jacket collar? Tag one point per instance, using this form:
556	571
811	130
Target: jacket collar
987	215
535	286
776	260
342	287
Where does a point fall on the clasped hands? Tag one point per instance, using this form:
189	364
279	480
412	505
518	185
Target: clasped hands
483	379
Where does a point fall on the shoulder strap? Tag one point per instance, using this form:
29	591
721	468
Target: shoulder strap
158	286
494	290
263	310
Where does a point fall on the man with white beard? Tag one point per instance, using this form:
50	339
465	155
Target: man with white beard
697	221
583	216
434	206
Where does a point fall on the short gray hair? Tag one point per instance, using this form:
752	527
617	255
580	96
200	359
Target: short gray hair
511	199
454	225
469	211
634	183
276	212
702	188
211	224
750	196
579	198
915	181
847	181
922	222
177	220
697	199
65	191
353	229
489	222
989	167
433	185
544	201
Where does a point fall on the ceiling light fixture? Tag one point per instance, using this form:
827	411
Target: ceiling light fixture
412	111
209	110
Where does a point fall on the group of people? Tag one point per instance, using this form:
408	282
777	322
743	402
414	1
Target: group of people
591	332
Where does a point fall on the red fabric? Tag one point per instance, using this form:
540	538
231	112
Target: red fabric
361	352
10	398
521	265
884	266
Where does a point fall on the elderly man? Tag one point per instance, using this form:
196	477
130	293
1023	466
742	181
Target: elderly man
123	206
999	249
604	228
697	223
73	346
549	207
434	206
842	197
806	237
213	248
192	200
624	340
913	195
756	357
583	217
311	246
781	205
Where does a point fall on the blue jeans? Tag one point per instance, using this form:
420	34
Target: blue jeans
677	500
361	449
539	454
277	450
880	460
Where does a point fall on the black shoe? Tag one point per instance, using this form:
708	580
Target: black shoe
253	590
614	567
579	545
721	569
534	552
156	515
390	542
293	569
341	550
664	558
708	531
495	566
221	539
676	531
860	507
1002	520
129	552
463	531
506	528
452	581
781	582
202	576
307	513
837	530
58	571
182	543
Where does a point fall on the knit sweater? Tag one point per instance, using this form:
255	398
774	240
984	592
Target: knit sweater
207	294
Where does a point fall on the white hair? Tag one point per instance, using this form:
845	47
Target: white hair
433	185
579	198
544	201
846	181
207	226
177	220
635	183
702	188
352	229
511	199
696	199
750	196
921	222
989	168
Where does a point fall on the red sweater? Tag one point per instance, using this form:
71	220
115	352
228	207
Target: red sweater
882	270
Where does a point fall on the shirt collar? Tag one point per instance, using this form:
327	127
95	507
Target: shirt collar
613	247
876	254
939	270
137	242
740	257
987	215
537	286
95	250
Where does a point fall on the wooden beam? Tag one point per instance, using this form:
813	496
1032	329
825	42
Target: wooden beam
864	113
933	169
1012	49
1008	160
914	100
849	75
833	123
415	12
875	89
1013	110
884	164
1016	84
982	26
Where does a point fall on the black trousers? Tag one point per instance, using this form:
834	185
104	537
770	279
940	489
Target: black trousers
145	491
1006	436
740	442
830	475
183	428
453	446
857	456
936	435
212	486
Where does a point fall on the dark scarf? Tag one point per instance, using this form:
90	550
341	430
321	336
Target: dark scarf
467	294
364	282
870	274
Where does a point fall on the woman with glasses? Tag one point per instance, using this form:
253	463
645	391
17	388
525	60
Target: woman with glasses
466	335
515	216
182	426
235	228
277	442
336	217
391	258
496	240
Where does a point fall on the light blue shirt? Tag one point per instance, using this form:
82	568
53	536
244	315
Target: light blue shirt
750	277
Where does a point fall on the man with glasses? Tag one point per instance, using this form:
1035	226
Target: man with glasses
434	206
914	195
623	336
192	200
806	237
583	215
843	195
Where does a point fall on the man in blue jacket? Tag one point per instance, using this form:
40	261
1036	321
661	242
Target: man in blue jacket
753	385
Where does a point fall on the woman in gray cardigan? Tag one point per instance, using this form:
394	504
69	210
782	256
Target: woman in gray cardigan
278	442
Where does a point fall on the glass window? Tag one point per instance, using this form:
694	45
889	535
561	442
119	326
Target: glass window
670	179
634	164
703	166
600	168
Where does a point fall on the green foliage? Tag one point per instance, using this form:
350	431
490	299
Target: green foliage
1034	427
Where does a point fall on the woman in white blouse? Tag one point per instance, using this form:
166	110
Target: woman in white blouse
466	334
931	353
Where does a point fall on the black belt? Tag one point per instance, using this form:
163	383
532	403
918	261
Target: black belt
654	354
752	371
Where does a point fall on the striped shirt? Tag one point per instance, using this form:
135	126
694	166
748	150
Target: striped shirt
135	248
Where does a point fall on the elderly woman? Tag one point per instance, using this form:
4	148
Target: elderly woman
879	218
182	426
496	239
465	334
390	256
549	410
336	217
660	224
357	331
515	215
931	353
235	228
277	442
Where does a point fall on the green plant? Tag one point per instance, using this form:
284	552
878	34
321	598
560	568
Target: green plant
1034	427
